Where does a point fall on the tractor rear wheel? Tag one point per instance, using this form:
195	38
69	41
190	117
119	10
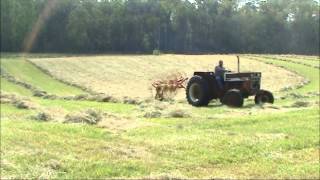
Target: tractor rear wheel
198	91
233	98
264	96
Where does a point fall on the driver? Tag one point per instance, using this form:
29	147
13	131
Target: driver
219	73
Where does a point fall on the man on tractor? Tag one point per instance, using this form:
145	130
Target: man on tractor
219	73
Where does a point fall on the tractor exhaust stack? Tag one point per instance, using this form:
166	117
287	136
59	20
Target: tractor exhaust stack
238	63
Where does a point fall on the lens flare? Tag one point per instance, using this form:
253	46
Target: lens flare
43	17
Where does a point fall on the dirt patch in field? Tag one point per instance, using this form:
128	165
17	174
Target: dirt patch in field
132	76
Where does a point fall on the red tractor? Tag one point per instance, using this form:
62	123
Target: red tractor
203	87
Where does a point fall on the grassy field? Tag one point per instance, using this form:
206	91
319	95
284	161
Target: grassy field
133	75
270	141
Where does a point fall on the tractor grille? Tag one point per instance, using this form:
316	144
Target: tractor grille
255	81
255	85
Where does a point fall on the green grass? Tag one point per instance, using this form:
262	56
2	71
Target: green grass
24	71
216	142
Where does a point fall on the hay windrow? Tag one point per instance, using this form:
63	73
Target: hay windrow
179	113
160	109
89	116
90	91
42	116
99	97
300	81
291	61
17	101
298	104
117	123
36	91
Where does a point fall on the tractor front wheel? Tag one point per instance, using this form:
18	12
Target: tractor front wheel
264	96
198	91
233	98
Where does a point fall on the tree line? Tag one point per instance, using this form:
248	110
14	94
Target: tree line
175	26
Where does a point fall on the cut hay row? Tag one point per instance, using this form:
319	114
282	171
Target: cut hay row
35	91
16	101
286	88
24	71
308	58
87	90
313	64
310	74
132	76
10	87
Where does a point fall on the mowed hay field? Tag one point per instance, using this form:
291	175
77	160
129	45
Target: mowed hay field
132	76
67	133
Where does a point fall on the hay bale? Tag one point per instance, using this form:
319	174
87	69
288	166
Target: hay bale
68	98
89	116
297	95
104	98
39	93
51	97
20	104
314	93
16	101
152	114
270	106
142	106
6	98
53	164
301	104
127	100
286	88
179	113
95	114
81	97
42	116
305	82
161	106
148	100
283	97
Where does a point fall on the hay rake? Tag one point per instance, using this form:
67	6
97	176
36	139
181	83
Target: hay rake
169	86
